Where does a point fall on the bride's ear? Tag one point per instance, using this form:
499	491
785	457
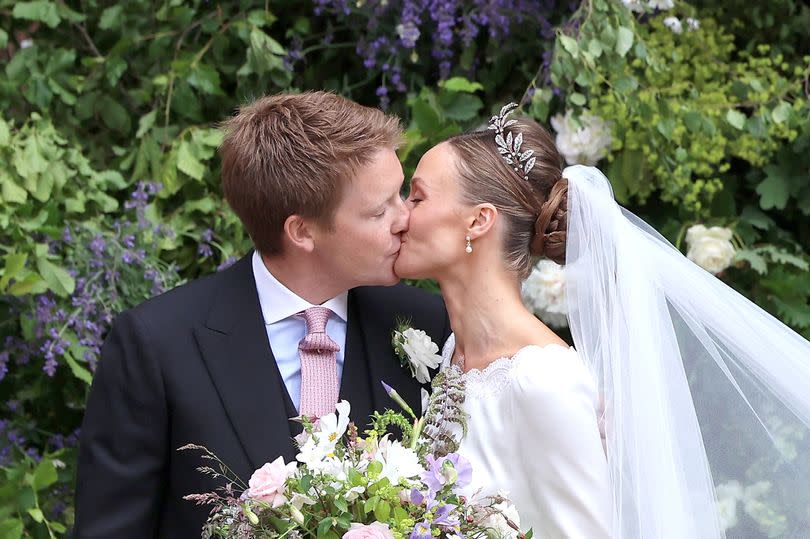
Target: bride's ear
484	219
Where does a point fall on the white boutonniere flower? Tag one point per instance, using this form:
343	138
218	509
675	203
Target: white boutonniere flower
416	351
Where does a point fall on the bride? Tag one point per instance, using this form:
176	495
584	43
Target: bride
703	397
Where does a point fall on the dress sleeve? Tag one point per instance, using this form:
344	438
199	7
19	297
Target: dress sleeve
554	404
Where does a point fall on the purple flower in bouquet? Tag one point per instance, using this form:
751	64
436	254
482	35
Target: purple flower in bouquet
451	469
421	531
444	516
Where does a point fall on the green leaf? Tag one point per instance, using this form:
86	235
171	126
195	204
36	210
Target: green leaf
460	84
781	113
75	367
207	137
425	116
595	48
11	529
44	475
12	192
5	133
756	218
795	312
666	127
773	192
57	278
113	114
463	107
188	163
735	118
626	85
30	284
577	99
111	17
206	79
3	38
146	122
755	260
40	10
368	505
341	504
569	44
14	263
382	511
693	121
36	514
324	525
624	40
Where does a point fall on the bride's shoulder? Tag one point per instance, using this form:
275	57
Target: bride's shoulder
552	371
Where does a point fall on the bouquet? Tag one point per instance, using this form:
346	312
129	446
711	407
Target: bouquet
346	486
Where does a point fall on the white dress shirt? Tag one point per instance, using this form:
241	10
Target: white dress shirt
284	330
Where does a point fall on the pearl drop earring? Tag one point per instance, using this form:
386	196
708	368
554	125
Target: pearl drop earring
468	248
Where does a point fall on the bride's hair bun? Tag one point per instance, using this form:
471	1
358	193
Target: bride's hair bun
550	229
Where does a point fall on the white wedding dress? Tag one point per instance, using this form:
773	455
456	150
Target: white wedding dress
533	435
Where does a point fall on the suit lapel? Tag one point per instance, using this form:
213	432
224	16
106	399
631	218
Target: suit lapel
383	364
355	383
234	346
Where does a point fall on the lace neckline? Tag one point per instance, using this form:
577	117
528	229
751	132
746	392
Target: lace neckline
496	375
497	363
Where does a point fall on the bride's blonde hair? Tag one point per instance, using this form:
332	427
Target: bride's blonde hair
534	209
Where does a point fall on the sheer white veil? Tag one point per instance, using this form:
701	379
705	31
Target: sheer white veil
707	396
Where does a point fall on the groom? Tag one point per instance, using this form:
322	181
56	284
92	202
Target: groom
299	323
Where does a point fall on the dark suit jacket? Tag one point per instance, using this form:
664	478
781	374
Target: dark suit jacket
194	365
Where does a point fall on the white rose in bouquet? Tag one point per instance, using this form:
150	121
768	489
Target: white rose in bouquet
710	248
584	143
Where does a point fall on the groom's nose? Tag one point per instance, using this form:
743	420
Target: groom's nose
400	223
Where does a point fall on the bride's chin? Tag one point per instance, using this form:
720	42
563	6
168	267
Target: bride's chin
405	271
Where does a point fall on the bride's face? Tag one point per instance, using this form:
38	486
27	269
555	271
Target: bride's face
434	239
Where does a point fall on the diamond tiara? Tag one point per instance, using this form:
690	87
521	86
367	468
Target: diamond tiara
509	144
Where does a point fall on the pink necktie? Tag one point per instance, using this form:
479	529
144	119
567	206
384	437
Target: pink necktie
319	381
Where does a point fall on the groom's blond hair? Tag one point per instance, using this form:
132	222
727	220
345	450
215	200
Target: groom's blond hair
291	154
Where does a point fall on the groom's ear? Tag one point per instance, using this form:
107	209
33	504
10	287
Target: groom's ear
298	233
484	218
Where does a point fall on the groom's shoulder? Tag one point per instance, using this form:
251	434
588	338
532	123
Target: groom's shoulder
190	302
400	300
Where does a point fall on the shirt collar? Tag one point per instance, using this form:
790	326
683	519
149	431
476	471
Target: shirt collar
279	302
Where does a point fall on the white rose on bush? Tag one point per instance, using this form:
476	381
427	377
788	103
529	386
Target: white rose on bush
640	6
710	248
674	24
419	350
582	144
728	496
544	293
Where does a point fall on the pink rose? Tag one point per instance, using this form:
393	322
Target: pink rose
375	530
267	483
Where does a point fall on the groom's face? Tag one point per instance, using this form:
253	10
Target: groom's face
362	245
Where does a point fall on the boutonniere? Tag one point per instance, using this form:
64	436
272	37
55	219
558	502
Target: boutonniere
416	351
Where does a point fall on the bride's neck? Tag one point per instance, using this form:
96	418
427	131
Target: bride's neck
486	314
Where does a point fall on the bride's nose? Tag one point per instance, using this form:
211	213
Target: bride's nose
402	219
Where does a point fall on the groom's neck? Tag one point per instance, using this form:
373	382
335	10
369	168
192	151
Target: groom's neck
298	277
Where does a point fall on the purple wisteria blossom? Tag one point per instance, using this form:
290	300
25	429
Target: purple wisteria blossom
399	32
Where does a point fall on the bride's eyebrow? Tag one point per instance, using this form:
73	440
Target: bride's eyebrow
417	182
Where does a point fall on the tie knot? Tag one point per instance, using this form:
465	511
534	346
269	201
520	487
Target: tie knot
316	318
